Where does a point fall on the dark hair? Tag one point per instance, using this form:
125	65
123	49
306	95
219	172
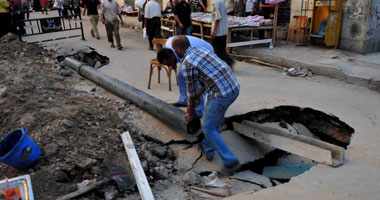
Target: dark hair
164	54
181	41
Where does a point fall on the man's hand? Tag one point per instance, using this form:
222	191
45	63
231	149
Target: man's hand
180	25
261	6
190	113
252	13
213	34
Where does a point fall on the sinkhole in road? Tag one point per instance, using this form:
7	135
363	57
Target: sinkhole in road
88	56
281	166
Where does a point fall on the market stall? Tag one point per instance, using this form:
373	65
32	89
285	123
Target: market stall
202	27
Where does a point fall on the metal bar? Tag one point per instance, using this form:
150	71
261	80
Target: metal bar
52	32
38	26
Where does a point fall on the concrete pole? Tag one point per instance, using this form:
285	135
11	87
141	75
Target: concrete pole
150	104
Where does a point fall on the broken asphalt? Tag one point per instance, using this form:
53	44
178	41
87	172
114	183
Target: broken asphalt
263	87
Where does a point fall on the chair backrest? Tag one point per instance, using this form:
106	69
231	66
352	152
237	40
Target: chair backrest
300	21
159	42
322	27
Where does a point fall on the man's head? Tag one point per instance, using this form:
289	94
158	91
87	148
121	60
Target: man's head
180	44
166	57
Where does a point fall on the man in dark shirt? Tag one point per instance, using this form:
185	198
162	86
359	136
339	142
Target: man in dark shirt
182	15
92	11
263	10
199	5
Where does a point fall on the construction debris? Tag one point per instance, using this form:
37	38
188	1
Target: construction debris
300	72
317	150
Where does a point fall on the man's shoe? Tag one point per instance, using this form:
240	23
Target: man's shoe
92	33
112	46
230	170
119	47
176	104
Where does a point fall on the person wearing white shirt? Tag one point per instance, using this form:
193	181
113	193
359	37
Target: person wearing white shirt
110	10
250	6
152	17
219	31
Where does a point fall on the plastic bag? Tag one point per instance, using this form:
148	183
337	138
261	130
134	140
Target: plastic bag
144	32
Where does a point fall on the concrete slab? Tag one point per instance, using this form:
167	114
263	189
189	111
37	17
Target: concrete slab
252	177
237	187
245	149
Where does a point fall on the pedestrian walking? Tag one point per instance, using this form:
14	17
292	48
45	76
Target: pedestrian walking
250	7
60	8
219	32
222	87
67	9
25	7
182	16
91	6
45	6
152	17
75	4
110	11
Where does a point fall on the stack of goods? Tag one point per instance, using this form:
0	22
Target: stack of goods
233	21
202	17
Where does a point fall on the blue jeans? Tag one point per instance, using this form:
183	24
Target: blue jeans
182	99
212	121
183	31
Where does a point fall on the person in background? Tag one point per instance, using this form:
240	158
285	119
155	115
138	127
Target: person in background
75	4
264	10
199	5
182	16
67	9
60	7
25	6
170	7
250	6
152	19
219	32
238	8
5	18
110	11
222	87
92	11
45	6
140	14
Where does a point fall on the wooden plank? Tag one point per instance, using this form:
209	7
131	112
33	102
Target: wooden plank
141	181
314	149
268	64
285	172
245	43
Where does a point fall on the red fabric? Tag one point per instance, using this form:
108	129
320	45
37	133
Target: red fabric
44	1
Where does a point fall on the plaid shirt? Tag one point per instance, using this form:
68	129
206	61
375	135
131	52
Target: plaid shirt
200	64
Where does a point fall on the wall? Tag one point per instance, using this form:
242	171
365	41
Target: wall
354	25
372	42
295	9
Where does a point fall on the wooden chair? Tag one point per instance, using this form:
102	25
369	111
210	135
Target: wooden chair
154	63
298	27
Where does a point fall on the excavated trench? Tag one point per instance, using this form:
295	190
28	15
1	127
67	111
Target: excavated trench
293	119
319	125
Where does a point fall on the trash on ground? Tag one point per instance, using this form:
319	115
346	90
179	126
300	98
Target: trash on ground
212	180
301	72
17	188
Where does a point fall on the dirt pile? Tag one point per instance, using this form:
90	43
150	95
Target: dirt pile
79	133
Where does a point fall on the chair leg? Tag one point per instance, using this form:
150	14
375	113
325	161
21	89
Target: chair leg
159	73
150	76
287	39
170	78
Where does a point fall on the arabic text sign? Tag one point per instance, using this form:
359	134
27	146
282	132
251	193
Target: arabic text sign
51	25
